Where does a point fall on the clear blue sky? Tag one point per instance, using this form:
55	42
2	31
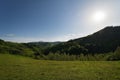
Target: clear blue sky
53	20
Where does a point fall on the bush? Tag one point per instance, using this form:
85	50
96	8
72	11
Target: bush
115	56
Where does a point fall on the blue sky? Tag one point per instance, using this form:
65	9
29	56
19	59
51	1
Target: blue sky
54	20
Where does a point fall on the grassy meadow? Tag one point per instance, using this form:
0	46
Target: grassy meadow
14	67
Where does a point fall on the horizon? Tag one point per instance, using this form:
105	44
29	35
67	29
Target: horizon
67	40
55	20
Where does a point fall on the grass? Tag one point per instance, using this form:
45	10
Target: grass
22	68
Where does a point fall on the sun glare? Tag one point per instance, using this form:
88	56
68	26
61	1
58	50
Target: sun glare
99	16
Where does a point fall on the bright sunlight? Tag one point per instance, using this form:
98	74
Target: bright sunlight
99	16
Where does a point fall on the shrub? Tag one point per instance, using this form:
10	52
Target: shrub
115	56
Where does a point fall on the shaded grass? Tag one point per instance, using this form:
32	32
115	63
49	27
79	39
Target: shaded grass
22	68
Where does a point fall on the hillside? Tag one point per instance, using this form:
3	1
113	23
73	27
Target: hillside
41	44
25	49
105	40
15	48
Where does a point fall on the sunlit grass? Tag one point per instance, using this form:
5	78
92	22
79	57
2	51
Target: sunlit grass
22	68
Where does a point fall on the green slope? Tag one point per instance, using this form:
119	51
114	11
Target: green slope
103	41
21	68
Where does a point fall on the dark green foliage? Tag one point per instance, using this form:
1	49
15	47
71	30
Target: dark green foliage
15	48
103	41
40	45
93	47
115	56
81	57
60	57
71	48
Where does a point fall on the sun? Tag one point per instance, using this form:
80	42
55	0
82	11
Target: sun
99	16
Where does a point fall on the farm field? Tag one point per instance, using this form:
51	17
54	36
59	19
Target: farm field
14	67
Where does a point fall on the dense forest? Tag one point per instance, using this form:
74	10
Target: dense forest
101	45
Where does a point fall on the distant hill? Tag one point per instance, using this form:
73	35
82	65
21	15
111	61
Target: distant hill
105	40
43	44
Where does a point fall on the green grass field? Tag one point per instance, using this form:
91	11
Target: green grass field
23	68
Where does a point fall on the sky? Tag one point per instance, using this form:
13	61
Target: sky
55	20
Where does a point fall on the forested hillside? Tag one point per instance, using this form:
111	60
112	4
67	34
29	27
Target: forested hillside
15	48
102	42
105	40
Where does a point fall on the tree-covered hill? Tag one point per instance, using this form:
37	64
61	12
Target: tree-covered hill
26	49
15	48
105	40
